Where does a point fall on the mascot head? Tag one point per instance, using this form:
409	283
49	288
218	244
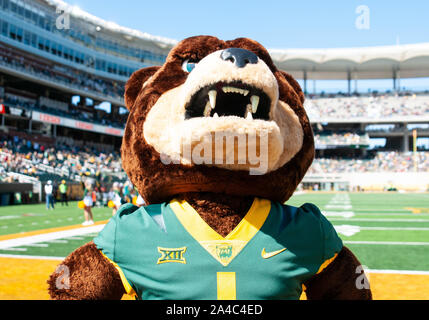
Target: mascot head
217	117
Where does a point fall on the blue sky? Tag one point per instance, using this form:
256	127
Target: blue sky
276	24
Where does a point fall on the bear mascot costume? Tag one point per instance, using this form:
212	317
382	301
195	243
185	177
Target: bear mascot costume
216	141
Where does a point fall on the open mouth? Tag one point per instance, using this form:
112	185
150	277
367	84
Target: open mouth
229	99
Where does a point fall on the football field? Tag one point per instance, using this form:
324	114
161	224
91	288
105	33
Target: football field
388	232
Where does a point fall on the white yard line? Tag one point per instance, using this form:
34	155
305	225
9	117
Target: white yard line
15	249
394	228
383	228
344	214
380	219
8	217
338	206
58	241
40	245
409	214
49	236
399	243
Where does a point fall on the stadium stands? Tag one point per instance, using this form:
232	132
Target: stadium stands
42	160
70	77
382	162
46	134
374	107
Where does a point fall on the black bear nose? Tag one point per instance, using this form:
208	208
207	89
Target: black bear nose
240	57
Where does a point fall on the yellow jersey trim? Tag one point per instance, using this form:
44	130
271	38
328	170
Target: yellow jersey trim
128	288
326	263
226	286
223	249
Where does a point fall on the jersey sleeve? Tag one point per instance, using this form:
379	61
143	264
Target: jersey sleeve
105	240
106	243
331	242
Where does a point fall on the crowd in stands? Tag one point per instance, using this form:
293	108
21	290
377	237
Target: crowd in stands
341	139
47	161
73	112
383	162
61	74
29	157
373	107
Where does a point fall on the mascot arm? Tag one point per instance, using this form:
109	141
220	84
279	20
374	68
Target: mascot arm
86	275
339	280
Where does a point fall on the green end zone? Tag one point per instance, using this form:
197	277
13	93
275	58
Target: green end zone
380	228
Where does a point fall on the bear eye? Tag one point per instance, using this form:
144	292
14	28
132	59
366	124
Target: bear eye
188	65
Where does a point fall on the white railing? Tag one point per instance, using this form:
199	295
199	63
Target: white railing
22	178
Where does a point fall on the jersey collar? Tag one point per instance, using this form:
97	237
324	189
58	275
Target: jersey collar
214	242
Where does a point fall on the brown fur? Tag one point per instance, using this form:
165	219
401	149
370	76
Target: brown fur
221	212
158	182
91	277
338	280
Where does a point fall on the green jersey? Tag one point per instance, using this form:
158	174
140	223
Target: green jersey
167	251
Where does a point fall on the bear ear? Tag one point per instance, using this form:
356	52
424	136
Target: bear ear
295	85
135	84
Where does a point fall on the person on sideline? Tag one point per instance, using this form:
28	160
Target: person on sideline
116	197
63	193
49	195
87	200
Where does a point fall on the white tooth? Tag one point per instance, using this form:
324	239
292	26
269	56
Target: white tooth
245	92
207	109
249	116
212	97
215	115
255	101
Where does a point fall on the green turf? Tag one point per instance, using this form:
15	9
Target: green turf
390	235
23	218
381	210
392	257
53	249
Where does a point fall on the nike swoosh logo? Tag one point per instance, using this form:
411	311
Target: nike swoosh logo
267	255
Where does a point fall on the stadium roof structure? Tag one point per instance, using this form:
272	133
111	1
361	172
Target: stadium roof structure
127	33
379	62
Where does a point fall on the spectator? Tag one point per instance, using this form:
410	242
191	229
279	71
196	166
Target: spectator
116	197
49	195
63	193
87	200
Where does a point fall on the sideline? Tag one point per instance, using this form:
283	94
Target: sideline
49	234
